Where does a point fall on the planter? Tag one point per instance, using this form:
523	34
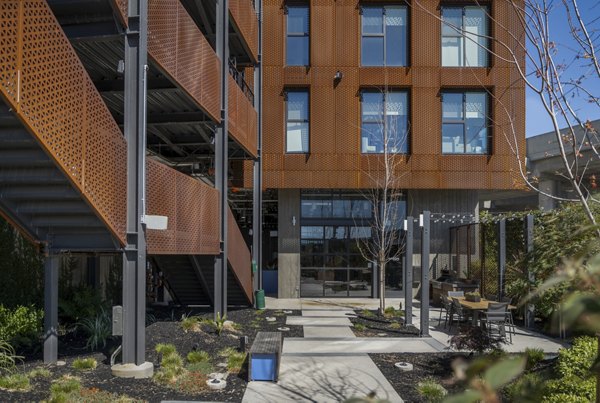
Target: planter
472	298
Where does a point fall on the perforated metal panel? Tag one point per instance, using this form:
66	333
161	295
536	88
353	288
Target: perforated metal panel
45	83
242	117
335	160
180	49
244	17
239	256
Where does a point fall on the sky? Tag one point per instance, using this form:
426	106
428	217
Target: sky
537	119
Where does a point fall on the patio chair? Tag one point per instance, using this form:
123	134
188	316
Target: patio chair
456	294
509	316
495	316
446	308
492	297
459	311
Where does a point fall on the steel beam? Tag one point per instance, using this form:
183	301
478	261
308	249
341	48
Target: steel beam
530	307
221	159
134	257
425	243
51	272
501	231
408	271
257	219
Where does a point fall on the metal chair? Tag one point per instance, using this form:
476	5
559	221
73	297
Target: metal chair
509	316
496	316
447	308
456	294
459	311
492	297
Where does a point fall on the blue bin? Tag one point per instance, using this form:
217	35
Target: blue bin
264	367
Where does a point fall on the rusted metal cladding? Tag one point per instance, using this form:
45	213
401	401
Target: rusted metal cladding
335	159
242	117
244	16
44	82
191	207
239	256
121	7
179	48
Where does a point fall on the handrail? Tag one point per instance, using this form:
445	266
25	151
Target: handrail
240	80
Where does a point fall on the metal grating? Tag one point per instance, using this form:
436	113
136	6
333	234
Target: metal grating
239	257
244	17
242	117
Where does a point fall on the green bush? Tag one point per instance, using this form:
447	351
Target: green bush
85	364
534	357
39	373
527	389
165	349
197	356
359	327
15	382
63	387
77	303
204	367
190	324
235	362
171	364
98	329
20	326
8	357
431	391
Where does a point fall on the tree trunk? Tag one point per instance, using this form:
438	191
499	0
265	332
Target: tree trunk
381	287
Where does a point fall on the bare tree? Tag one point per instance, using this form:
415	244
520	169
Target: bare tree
384	140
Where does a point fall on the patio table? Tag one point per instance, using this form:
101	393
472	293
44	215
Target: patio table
477	307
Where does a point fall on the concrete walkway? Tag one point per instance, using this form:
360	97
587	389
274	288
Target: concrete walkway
329	364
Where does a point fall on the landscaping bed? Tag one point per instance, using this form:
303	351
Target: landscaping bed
431	366
218	353
367	323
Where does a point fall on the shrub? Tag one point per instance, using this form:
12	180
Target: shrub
98	329
8	357
190	323
534	357
392	312
235	362
431	391
219	323
227	351
474	338
367	313
63	387
527	388
15	382
395	326
171	364
165	349
21	325
203	366
360	327
197	356
39	373
191	382
85	364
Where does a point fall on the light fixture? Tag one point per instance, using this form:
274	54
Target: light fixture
338	76
294	220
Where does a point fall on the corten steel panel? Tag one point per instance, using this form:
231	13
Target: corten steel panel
59	104
121	7
244	17
242	117
335	159
180	49
239	255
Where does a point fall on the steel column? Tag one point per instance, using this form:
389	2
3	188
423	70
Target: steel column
51	273
408	271
221	158
425	234
530	307
257	217
134	258
501	256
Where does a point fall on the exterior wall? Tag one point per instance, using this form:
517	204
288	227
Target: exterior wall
335	160
289	243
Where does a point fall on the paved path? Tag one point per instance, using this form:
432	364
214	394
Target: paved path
329	364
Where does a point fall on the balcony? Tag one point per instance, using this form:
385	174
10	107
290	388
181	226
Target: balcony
245	24
242	115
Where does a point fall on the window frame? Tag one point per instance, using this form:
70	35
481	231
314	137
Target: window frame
287	120
406	47
461	34
297	34
405	91
463	121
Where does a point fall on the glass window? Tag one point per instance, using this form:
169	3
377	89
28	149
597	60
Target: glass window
297	122
384	122
464	123
464	36
384	36
297	43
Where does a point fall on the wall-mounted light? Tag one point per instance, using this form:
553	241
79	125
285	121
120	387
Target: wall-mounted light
294	220
338	76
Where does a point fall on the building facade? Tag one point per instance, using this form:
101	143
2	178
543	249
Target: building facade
350	84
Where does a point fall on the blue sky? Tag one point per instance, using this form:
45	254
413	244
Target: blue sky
537	119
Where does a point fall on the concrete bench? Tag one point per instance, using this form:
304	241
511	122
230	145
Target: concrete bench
265	356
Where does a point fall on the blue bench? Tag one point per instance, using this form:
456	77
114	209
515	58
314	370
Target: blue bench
265	356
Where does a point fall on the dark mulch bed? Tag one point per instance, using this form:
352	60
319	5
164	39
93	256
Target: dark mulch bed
368	324
166	329
434	366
